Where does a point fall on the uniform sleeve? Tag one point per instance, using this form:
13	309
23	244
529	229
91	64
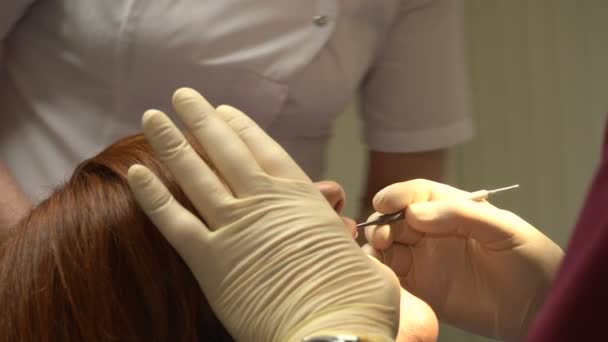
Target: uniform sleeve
573	309
10	12
415	96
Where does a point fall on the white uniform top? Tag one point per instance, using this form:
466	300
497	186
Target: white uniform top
79	73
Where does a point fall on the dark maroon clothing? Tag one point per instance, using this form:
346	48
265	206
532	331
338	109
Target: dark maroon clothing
575	309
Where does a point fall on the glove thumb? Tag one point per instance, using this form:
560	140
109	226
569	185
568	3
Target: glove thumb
462	217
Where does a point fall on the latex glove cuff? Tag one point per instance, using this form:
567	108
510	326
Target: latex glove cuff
332	338
346	338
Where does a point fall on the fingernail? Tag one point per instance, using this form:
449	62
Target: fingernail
184	92
381	193
138	174
150	115
379	196
224	108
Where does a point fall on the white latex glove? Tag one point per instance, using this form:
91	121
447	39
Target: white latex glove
271	256
418	321
480	268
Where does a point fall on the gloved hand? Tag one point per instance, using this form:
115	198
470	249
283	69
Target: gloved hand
271	256
418	321
480	268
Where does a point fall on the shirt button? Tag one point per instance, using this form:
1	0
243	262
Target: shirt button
320	20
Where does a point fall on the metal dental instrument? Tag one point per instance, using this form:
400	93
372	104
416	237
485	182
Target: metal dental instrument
478	195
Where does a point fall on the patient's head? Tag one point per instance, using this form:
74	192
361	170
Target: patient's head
87	265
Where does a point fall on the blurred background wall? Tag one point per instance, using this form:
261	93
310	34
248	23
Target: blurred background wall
539	80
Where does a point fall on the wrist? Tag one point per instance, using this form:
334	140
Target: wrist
348	338
366	324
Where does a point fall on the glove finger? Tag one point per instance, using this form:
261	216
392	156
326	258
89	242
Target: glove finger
400	259
184	231
466	218
380	237
225	149
404	234
398	196
202	186
271	157
373	253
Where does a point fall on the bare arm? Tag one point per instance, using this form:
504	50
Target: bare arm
388	168
14	204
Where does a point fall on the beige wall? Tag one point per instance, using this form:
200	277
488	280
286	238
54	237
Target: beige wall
539	78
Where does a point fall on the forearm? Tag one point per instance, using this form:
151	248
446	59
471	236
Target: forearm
14	204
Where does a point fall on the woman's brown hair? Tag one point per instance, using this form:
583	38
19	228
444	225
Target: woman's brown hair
87	265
